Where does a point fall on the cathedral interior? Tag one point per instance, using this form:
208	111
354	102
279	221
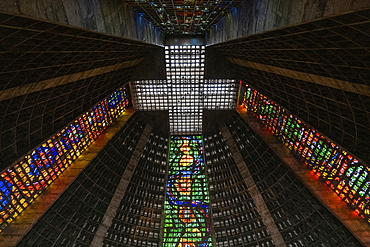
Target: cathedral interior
185	123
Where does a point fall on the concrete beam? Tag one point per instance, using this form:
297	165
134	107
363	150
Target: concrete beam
54	82
252	189
307	77
121	189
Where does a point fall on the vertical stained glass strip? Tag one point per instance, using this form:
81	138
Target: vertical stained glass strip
23	182
342	172
186	222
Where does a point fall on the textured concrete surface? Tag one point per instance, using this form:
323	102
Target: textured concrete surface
252	189
256	16
111	17
15	231
61	80
121	189
323	193
317	79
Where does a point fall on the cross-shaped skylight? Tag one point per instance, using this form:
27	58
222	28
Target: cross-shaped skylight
185	93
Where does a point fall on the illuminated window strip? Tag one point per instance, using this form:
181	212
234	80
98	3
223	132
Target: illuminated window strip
216	94
342	172
186	206
22	183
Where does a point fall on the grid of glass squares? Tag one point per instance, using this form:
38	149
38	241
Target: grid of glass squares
23	182
185	93
220	94
187	221
185	78
150	95
342	172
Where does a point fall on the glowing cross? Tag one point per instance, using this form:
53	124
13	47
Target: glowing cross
185	93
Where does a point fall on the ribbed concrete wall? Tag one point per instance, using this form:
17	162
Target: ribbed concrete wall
111	17
257	16
300	218
318	70
50	74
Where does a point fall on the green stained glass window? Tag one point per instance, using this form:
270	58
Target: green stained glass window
186	222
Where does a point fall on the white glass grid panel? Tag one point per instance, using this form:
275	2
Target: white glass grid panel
220	94
185	93
150	95
185	75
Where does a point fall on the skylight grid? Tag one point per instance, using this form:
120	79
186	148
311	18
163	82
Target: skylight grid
220	94
185	76
150	95
185	93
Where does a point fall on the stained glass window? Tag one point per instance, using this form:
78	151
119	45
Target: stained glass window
23	182
186	222
341	171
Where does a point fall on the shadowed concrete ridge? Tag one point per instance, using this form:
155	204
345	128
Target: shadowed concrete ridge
43	85
121	189
253	190
321	80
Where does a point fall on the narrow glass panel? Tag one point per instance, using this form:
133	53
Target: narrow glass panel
186	220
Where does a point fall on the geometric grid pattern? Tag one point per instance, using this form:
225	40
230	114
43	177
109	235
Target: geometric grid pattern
150	95
74	218
219	94
301	218
34	51
138	218
183	17
342	172
185	93
236	220
185	76
186	208
22	183
153	95
336	47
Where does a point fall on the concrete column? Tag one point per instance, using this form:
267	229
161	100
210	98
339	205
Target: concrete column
121	189
252	189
